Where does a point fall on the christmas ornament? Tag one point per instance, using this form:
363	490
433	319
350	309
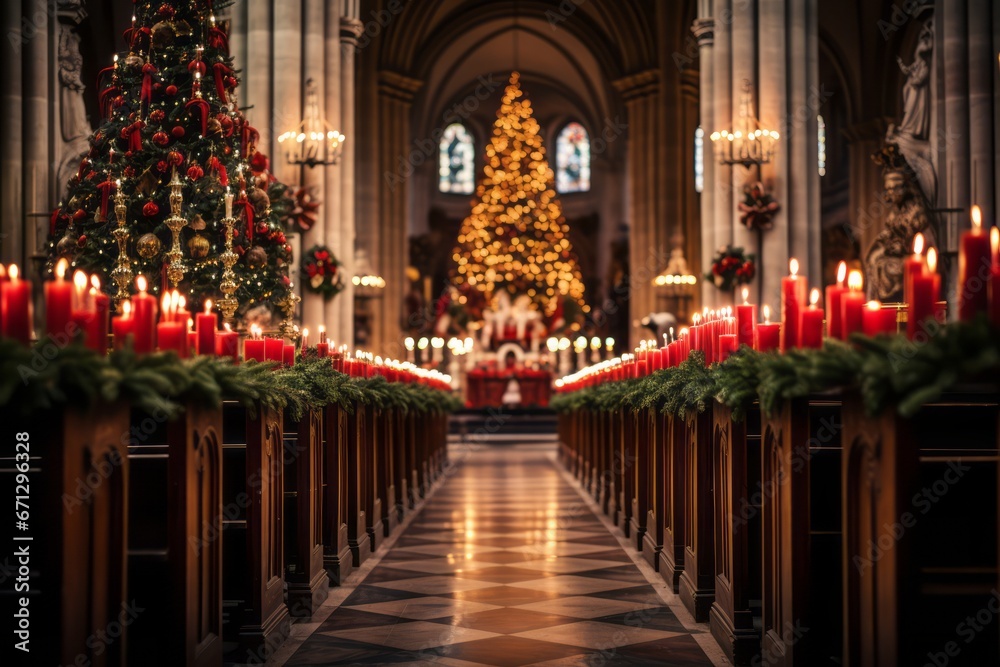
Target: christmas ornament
197	223
162	35
256	257
148	246
160	138
198	246
177	132
195	172
150	209
171	90
66	246
260	201
214	128
321	272
305	211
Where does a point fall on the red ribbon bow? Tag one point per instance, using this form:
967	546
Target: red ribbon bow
203	107
106	187
217	39
220	70
248	214
215	165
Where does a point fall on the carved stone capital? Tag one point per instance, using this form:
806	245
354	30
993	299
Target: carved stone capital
350	30
398	86
704	31
639	84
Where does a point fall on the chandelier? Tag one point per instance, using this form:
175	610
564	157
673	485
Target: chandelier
314	142
367	283
748	143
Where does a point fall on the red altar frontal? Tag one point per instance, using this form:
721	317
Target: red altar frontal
523	387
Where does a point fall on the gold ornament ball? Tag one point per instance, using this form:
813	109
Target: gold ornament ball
256	257
66	246
198	246
148	246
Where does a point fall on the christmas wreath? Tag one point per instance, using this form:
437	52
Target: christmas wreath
321	271
731	267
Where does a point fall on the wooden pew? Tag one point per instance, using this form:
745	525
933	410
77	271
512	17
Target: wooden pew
735	615
358	481
920	533
385	482
652	541
642	448
78	480
175	545
697	580
337	558
257	619
308	582
372	462
674	492
800	501
626	438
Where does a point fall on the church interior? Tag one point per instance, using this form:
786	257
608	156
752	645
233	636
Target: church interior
500	332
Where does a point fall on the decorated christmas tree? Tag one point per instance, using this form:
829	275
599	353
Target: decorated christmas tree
515	238
149	197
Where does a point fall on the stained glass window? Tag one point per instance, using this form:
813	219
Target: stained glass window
699	159
821	138
457	161
573	159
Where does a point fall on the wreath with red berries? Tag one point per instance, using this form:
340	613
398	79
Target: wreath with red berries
321	272
731	267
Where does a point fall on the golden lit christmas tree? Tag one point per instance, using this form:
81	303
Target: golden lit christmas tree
515	238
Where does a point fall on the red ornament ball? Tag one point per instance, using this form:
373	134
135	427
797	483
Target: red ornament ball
230	81
79	214
162	166
150	209
226	150
128	155
171	90
195	172
175	158
156	115
117	102
197	66
161	138
178	131
259	162
82	241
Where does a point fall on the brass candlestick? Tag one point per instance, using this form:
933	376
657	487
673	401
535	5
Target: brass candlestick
228	303
175	267
287	305
122	273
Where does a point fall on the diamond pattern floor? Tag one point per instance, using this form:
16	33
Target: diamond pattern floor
507	566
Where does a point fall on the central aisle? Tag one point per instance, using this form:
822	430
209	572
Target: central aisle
506	565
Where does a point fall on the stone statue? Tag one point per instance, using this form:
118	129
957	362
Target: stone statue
907	215
73	123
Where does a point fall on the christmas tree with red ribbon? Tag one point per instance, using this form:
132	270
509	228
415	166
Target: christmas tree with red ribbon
168	106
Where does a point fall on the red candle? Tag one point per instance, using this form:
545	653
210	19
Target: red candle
727	345
253	347
834	293
793	299
144	312
995	277
82	313
852	304
878	320
15	305
768	334
288	354
169	333
746	321
973	270
123	325
925	290
102	310
206	326
273	349
811	323
227	344
192	338
913	266
322	347
58	300
181	314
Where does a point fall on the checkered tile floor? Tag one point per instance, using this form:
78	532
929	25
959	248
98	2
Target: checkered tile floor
506	566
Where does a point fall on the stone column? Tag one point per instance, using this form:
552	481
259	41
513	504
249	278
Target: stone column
350	30
745	50
11	143
704	32
258	76
954	173
37	170
720	187
337	314
982	71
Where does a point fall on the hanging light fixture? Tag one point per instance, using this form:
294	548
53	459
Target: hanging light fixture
314	142
367	283
748	143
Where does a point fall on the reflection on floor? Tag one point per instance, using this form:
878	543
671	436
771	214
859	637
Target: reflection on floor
506	565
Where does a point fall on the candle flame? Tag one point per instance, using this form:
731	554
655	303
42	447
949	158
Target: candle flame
767	314
977	218
855	281
181	303
666	341
228	328
684	332
814	297
95	282
695	319
918	244
190	324
61	267
874	305
793	266
140	283
995	240
208	306
79	279
12	272
127	309
746	295
932	260
165	303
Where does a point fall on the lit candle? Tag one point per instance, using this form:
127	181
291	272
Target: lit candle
913	266
995	277
229	203
973	269
288	354
170	333
82	312
793	298
192	339
102	310
746	321
58	302
181	314
304	343
768	334
15	304
877	320
206	326
253	346
273	349
144	314
322	347
227	344
852	304
834	293
122	326
926	288
728	344
811	323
